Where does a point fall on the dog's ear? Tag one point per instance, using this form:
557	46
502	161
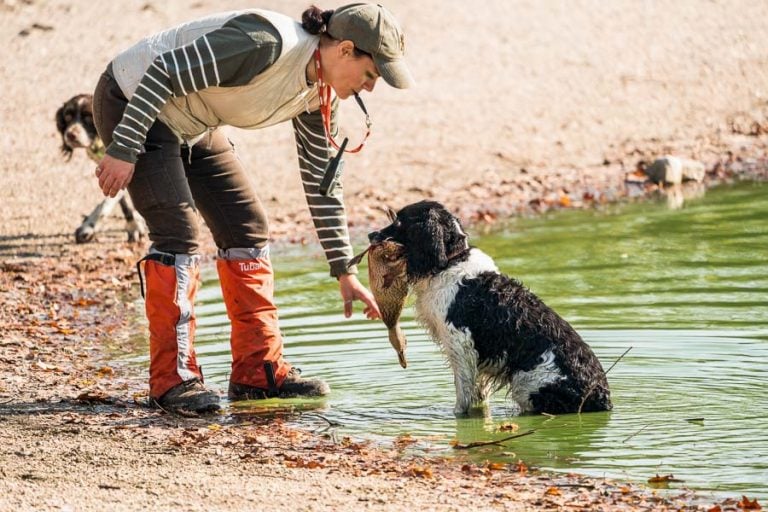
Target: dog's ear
391	214
61	126
425	250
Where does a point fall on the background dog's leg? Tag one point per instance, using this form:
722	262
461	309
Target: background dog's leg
86	231
135	225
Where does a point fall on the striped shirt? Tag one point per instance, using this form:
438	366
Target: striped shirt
230	56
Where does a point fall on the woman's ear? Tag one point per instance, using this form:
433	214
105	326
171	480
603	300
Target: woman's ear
345	49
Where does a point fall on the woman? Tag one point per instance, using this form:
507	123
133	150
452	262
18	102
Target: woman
157	108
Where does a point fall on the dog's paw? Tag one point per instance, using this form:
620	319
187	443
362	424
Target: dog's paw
85	234
136	229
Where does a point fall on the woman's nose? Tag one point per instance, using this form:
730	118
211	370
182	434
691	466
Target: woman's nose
369	84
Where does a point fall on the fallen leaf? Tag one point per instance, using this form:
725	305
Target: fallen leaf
663	481
553	491
520	467
419	471
403	441
509	427
105	371
496	466
95	396
746	504
301	463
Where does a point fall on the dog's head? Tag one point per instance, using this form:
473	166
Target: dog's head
431	236
74	121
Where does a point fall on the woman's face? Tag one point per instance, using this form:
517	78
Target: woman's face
348	74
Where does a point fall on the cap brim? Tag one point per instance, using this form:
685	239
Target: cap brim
395	73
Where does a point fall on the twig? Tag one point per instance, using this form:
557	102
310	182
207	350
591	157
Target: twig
594	385
633	435
360	414
330	422
487	443
619	359
585	486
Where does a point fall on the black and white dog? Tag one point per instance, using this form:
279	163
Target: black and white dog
494	332
74	121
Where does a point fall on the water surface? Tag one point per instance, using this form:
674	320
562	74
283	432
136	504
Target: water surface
686	289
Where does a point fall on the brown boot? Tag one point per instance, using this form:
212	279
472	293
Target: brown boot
293	386
189	396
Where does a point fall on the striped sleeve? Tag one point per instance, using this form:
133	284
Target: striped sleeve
229	56
328	213
152	93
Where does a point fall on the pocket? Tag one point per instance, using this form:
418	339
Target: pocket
154	180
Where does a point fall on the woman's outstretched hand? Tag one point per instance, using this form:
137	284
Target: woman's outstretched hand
114	175
351	290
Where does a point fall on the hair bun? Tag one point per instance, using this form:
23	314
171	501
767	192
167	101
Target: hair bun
315	21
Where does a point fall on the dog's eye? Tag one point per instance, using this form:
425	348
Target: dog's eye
67	117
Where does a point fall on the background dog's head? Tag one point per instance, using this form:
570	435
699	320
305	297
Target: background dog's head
431	236
74	120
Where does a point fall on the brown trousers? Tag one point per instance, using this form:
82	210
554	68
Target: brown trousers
169	188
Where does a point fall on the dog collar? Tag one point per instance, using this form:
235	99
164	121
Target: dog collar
324	92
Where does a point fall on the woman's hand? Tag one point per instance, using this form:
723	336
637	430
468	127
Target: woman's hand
351	290
114	175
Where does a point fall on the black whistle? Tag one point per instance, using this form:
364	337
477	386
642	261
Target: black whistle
333	170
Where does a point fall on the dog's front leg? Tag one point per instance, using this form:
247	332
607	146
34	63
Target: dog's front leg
465	387
135	225
87	230
462	356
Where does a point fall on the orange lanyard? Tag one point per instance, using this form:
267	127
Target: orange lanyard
324	92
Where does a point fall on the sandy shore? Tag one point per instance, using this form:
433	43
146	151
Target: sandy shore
521	107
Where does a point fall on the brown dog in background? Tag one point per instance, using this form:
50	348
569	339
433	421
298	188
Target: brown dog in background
74	121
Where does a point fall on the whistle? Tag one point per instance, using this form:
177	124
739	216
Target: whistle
333	171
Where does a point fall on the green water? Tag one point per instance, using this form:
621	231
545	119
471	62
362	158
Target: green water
687	289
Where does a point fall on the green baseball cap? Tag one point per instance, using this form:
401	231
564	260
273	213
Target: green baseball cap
374	30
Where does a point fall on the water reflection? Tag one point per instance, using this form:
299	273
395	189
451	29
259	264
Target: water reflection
678	194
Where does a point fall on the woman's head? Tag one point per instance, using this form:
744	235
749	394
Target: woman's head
361	42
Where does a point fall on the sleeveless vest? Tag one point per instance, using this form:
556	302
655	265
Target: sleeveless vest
277	94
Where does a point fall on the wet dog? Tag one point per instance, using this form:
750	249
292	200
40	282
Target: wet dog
494	332
74	122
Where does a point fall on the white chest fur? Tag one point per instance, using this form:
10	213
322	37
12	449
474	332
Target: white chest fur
474	379
434	296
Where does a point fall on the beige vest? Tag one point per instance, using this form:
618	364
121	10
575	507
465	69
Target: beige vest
276	95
